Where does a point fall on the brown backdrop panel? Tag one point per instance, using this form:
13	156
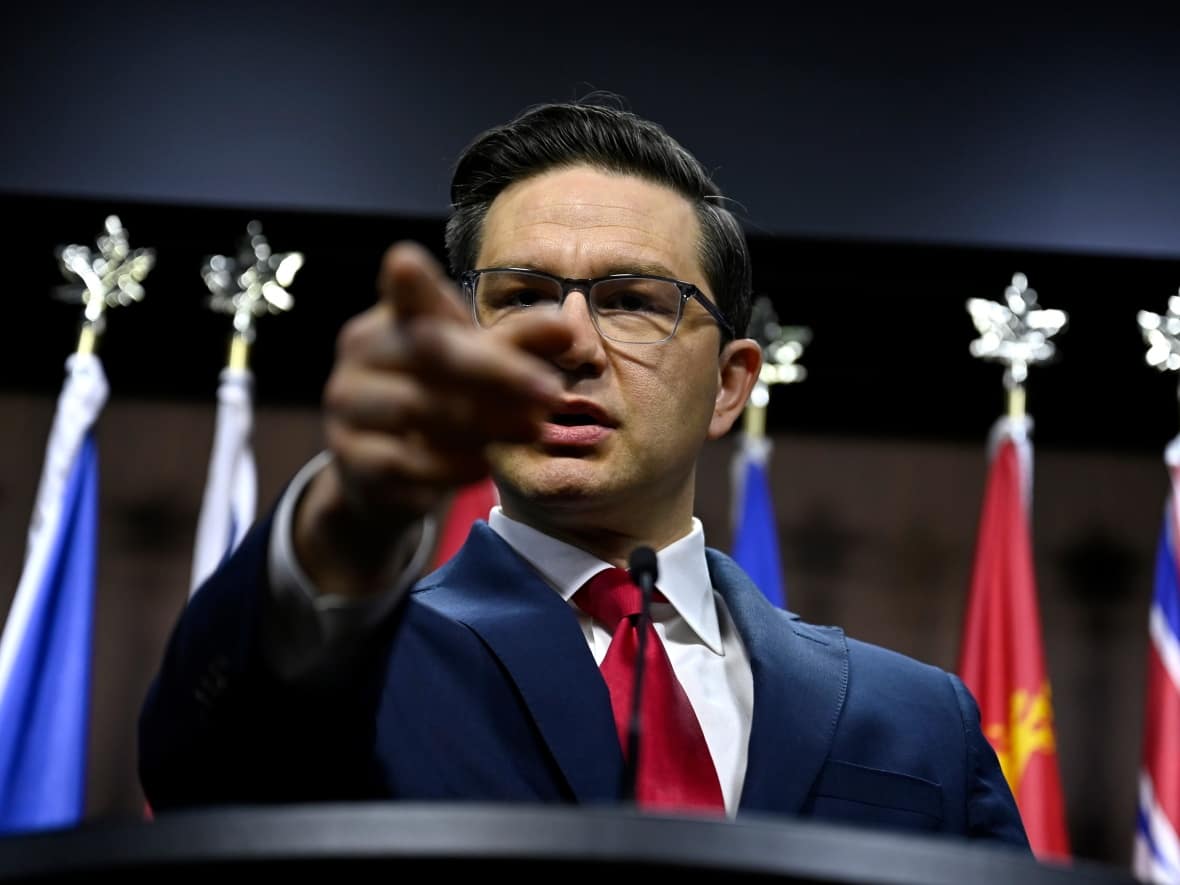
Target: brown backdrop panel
877	536
152	462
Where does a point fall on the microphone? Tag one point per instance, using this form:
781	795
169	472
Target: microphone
644	572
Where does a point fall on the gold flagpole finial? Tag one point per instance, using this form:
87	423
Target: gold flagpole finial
1016	333
1161	333
251	285
782	346
110	277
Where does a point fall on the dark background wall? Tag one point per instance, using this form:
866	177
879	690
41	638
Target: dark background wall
1029	125
888	164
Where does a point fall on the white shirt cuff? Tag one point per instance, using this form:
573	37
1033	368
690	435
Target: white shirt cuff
301	624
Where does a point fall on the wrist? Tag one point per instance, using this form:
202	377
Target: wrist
346	552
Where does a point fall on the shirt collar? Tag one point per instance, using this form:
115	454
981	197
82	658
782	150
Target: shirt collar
684	572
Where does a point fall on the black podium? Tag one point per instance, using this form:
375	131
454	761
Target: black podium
394	842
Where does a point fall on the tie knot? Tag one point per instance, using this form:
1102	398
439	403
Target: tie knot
609	597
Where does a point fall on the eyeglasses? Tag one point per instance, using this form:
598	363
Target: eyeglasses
628	308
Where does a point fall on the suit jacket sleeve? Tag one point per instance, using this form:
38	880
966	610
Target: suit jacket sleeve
991	809
218	725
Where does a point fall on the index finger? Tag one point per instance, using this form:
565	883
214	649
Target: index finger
414	284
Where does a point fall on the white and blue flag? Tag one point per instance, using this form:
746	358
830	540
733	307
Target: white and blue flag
231	487
45	650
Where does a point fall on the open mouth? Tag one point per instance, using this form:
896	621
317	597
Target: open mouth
577	419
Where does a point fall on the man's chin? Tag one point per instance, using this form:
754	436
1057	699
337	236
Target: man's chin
543	482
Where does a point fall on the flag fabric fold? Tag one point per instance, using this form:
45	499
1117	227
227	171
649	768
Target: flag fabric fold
1156	856
231	486
755	536
1002	658
45	649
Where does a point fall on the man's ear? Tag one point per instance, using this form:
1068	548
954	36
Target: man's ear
738	368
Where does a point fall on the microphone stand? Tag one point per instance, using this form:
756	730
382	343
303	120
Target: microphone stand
643	570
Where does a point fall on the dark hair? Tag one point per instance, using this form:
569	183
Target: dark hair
551	136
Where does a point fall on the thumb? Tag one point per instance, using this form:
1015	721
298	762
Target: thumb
414	284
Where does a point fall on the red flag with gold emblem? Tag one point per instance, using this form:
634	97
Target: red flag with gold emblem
1002	658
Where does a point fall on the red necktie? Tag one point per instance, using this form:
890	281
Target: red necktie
675	768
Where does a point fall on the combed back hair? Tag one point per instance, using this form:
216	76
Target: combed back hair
553	136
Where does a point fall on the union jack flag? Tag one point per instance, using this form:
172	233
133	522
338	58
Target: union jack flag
1157	849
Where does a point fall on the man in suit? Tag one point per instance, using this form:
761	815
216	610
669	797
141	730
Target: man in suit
590	344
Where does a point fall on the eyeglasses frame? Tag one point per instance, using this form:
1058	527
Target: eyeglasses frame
468	280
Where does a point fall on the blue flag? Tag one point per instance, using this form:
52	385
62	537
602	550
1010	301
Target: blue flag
46	645
755	538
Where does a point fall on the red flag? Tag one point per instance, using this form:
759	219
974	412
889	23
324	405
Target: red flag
471	502
1002	660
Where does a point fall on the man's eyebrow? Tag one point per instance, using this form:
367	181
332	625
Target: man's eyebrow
643	267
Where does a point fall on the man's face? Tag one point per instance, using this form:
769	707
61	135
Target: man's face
636	414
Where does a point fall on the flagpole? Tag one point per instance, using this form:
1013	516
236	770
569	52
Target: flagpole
755	535
1002	661
247	286
754	414
1156	842
239	353
87	340
45	649
1016	401
782	346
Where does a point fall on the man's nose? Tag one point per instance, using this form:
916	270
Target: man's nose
586	352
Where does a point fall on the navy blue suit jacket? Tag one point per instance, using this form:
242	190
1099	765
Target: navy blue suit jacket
481	687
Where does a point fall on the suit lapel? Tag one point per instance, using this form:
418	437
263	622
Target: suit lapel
535	635
800	682
800	673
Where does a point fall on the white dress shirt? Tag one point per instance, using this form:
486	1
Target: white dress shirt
703	644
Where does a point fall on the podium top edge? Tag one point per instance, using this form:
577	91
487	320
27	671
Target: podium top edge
609	837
